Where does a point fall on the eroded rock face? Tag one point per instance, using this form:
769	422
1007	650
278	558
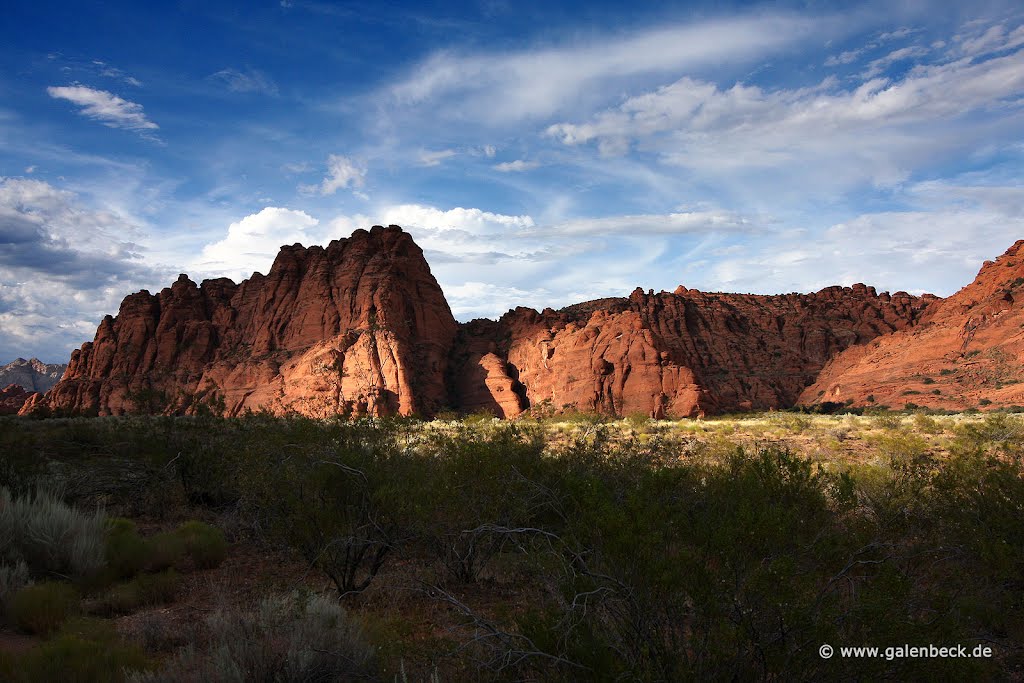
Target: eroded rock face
13	398
357	326
670	355
361	326
967	352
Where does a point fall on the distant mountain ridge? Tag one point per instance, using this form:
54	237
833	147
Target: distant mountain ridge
32	374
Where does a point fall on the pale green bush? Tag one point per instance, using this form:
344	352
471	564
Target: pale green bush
51	535
287	638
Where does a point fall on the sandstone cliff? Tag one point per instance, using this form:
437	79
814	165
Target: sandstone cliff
361	326
357	326
968	351
669	354
13	397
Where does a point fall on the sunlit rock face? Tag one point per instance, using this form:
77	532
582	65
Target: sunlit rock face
968	352
361	327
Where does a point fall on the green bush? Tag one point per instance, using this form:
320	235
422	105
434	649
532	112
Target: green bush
127	553
85	651
158	589
204	544
142	591
475	489
167	550
42	608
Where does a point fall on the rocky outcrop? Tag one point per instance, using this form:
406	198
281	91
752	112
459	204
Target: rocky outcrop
358	326
967	352
676	354
31	375
361	326
13	398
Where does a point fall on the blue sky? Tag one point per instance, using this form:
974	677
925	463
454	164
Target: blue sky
541	153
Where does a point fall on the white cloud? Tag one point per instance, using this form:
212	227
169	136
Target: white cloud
505	87
822	136
113	72
516	166
488	262
64	263
252	243
844	58
983	40
664	224
248	81
879	65
342	172
470	300
428	158
104	107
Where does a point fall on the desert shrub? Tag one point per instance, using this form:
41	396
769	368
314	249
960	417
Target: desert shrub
472	493
927	424
50	535
121	598
286	638
158	589
127	553
13	577
688	571
792	422
41	608
142	591
166	550
887	420
204	544
158	633
638	420
997	433
343	505
85	651
900	445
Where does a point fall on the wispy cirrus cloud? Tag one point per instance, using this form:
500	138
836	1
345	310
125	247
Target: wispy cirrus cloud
247	81
510	86
105	107
435	158
516	166
836	135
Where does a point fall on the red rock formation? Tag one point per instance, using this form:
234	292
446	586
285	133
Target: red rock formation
967	352
13	397
679	354
360	325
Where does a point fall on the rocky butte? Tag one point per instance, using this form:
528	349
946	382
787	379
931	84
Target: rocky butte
362	327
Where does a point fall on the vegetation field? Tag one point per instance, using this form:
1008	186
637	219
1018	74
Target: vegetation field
567	548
